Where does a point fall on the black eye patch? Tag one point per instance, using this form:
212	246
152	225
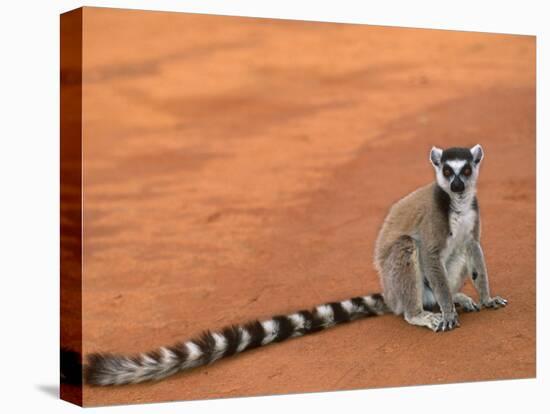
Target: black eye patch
447	171
466	170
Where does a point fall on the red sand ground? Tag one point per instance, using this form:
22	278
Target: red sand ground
238	168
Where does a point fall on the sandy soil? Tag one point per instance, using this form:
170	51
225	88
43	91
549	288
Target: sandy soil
237	168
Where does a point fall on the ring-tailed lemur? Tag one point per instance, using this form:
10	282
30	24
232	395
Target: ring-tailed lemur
429	244
427	247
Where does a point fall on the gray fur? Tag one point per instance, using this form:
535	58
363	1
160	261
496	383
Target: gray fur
430	243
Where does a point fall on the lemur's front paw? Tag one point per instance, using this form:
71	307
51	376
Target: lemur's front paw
466	303
470	306
449	321
495	303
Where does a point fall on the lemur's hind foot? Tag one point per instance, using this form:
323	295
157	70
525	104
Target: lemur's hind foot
428	319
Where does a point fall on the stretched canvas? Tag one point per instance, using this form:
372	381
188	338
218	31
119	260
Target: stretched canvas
220	170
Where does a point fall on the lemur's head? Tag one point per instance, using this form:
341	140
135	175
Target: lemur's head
457	169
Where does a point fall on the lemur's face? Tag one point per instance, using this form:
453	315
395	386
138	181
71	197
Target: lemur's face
457	169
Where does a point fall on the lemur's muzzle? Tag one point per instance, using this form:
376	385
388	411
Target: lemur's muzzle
457	186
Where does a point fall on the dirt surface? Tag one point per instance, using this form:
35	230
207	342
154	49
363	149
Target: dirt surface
238	168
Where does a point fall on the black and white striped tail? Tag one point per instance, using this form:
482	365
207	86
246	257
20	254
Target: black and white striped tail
110	369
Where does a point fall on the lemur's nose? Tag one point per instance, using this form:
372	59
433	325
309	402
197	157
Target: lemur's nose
457	186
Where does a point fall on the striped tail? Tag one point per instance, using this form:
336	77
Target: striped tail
111	369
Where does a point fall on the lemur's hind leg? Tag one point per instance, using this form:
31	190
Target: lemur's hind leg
403	284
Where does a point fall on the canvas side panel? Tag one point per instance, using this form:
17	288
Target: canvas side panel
71	195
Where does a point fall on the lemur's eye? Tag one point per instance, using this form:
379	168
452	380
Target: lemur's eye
467	171
447	172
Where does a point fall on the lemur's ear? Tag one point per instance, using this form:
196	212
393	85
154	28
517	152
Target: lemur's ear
435	156
477	153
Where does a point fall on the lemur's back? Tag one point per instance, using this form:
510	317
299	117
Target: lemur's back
404	218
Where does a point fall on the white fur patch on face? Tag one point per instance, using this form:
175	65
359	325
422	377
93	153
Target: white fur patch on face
456	165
